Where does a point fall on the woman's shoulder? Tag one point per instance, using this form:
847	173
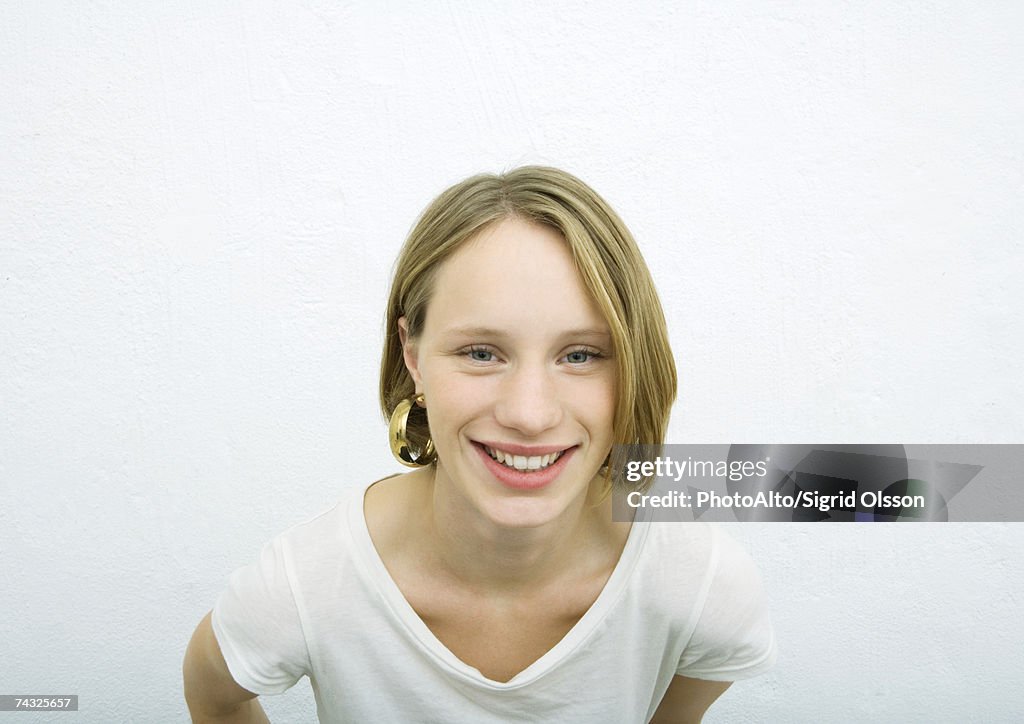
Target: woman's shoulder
685	555
344	525
328	525
684	540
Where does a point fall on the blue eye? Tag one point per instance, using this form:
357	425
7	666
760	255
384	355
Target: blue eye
580	356
480	355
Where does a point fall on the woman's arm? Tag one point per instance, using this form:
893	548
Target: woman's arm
211	693
687	699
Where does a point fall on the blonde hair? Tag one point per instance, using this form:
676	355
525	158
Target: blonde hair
606	256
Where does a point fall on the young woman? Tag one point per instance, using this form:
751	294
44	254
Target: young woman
524	339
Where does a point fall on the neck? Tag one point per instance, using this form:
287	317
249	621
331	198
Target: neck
506	559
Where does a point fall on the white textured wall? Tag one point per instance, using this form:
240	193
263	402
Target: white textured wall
200	204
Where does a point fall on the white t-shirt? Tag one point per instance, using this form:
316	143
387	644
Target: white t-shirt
684	598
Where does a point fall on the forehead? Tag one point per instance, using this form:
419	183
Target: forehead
516	276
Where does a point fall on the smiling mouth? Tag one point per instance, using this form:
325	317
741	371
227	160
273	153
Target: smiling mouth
523	463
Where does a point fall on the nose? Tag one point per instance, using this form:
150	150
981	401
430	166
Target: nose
528	401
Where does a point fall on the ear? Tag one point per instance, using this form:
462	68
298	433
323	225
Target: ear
410	353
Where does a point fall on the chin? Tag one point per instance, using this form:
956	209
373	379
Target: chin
522	513
530	508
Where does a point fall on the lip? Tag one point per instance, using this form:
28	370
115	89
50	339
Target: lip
520	479
525	450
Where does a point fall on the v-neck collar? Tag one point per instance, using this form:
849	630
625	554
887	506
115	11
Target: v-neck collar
376	573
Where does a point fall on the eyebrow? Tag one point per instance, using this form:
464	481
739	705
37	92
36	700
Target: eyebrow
497	333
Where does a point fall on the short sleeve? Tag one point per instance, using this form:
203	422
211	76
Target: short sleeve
256	622
733	637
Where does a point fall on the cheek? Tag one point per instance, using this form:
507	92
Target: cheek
594	404
452	399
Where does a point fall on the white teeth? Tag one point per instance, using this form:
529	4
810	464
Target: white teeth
521	462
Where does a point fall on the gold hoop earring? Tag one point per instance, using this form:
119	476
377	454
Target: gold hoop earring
398	441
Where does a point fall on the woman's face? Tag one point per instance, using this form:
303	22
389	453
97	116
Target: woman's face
515	363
